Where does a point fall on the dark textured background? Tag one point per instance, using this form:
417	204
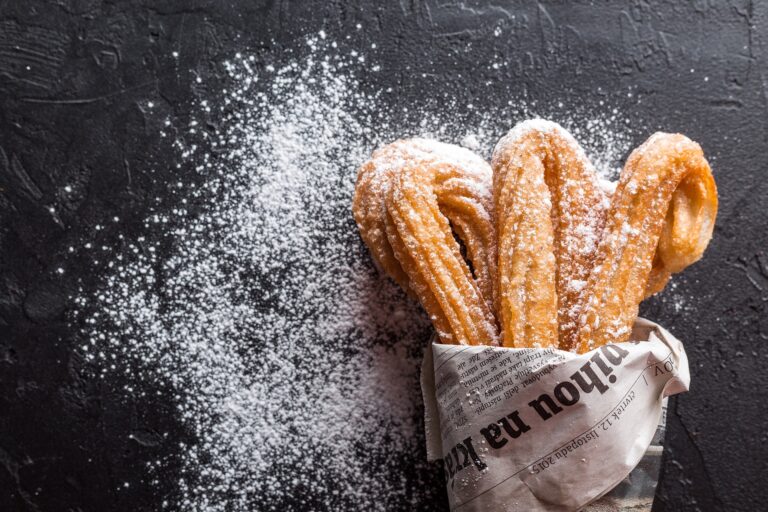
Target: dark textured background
75	76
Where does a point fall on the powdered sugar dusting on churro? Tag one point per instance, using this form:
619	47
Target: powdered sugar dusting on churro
435	186
636	249
418	148
570	183
251	305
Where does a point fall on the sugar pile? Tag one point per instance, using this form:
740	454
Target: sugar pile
292	363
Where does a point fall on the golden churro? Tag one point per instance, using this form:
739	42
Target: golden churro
549	215
409	200
660	221
573	261
370	211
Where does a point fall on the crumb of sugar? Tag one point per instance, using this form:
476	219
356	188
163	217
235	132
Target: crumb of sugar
293	364
609	187
470	141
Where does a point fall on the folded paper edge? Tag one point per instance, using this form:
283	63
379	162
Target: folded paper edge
433	434
431	411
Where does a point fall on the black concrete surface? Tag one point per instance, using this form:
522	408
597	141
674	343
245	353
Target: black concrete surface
74	76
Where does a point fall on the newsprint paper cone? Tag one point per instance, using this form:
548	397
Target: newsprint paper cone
544	429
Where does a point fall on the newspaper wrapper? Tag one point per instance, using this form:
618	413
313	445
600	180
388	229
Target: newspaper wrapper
544	429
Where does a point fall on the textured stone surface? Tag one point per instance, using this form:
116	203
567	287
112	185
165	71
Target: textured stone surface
75	76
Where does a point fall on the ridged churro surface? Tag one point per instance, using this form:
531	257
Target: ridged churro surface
534	250
663	211
550	213
410	200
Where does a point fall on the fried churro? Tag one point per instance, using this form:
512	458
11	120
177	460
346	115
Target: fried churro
410	199
550	211
552	258
660	221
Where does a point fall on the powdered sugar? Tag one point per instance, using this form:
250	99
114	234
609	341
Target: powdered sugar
292	363
433	150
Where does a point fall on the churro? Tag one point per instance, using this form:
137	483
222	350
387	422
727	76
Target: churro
550	211
573	260
410	199
660	221
370	211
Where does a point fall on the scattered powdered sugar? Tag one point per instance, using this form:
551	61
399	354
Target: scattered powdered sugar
678	301
291	362
606	139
